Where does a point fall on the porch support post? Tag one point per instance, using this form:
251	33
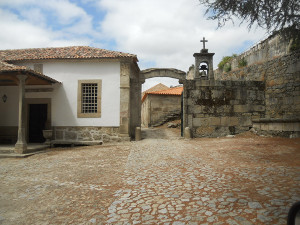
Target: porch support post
21	145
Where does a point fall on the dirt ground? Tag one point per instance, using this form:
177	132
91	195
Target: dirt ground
246	179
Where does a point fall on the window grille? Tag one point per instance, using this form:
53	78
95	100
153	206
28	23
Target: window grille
89	98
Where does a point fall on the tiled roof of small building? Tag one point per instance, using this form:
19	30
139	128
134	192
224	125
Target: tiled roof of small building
169	91
157	87
7	67
73	52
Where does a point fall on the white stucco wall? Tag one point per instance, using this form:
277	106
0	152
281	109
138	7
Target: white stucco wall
64	96
9	110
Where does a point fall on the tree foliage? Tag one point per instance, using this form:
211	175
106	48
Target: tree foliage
274	15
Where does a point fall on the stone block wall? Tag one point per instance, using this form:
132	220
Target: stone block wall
135	100
282	91
85	134
156	108
282	77
218	108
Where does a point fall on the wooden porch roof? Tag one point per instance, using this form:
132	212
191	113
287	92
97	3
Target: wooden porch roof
9	72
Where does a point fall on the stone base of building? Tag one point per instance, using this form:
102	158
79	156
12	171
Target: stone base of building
74	143
86	135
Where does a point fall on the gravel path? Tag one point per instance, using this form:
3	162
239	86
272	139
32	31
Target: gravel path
240	180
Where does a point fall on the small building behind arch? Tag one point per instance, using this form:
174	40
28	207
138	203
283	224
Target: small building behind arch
160	106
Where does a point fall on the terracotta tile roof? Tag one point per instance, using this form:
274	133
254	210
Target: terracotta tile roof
4	66
7	67
157	87
73	52
169	91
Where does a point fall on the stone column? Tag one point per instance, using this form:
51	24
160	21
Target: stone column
135	104
125	99
21	145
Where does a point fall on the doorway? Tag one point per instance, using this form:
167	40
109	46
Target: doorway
37	122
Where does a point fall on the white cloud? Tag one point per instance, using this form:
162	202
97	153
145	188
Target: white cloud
35	23
56	15
34	16
154	81
162	33
168	33
16	33
63	11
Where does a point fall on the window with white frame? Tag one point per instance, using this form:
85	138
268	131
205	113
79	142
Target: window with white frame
89	98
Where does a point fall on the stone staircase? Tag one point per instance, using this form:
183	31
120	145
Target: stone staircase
169	117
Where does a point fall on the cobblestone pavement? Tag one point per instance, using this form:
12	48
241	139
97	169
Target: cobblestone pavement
240	180
64	186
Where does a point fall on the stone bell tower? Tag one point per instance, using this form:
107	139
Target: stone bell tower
204	64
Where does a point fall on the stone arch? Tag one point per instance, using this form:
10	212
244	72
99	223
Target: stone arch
164	72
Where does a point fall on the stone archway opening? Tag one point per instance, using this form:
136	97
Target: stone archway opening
161	107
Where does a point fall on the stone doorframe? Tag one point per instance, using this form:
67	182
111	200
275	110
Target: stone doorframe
29	101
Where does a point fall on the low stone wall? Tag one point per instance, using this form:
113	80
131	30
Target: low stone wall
278	127
86	134
218	108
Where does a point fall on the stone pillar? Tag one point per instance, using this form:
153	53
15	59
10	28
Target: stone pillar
138	134
135	104
125	99
21	145
187	133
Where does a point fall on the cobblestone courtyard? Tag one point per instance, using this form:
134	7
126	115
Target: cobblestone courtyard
242	180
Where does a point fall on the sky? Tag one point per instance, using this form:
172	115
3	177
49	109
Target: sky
162	33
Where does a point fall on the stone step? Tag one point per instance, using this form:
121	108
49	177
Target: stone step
2	151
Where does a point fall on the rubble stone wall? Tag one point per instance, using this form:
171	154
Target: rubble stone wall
273	46
85	134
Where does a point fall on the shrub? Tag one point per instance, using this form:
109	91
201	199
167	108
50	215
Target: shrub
227	67
295	44
242	62
225	59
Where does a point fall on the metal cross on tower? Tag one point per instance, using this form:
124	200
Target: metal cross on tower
203	40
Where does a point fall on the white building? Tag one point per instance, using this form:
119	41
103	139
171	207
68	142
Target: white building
83	94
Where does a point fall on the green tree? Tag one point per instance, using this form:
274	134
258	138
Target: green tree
274	15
